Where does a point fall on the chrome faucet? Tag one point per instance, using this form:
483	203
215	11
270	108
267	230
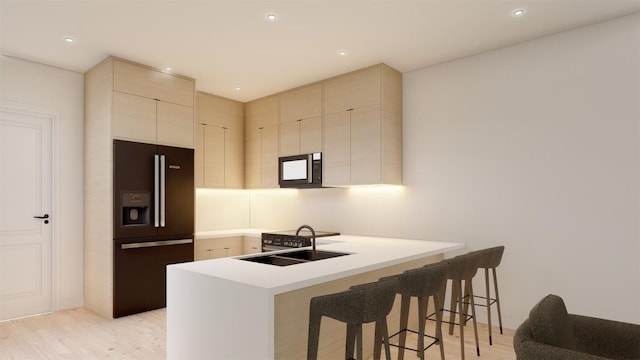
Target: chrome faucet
313	235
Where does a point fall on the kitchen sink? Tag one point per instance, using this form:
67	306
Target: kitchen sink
310	255
294	257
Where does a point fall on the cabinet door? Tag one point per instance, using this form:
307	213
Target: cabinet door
337	145
290	138
234	157
134	118
301	103
251	245
366	146
198	156
153	84
253	158
301	137
213	156
215	248
174	125
269	158
311	135
261	164
353	90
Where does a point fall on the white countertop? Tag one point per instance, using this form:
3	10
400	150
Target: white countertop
230	232
366	254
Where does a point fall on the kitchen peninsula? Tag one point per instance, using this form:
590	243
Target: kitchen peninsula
234	309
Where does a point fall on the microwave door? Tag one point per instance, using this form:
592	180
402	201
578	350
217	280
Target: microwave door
296	170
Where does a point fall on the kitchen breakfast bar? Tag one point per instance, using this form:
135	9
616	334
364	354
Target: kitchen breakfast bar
231	308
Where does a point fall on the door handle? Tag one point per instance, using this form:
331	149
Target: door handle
46	216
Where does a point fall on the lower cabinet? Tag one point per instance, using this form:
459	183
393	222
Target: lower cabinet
251	245
220	247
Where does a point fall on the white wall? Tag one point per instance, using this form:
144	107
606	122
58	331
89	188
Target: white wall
537	146
62	91
534	146
222	209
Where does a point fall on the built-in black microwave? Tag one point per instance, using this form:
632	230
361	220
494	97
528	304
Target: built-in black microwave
300	171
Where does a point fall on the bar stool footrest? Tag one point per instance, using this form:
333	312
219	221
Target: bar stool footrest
435	340
431	317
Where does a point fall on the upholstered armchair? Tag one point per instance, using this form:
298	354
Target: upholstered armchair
551	333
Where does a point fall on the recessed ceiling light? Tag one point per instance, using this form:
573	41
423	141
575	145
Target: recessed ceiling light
343	52
518	12
69	40
236	88
272	17
168	68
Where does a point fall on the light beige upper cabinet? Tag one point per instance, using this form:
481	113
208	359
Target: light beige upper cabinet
152	106
363	127
261	158
301	120
134	117
130	78
219	151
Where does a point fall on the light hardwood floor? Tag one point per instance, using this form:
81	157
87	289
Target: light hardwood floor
82	334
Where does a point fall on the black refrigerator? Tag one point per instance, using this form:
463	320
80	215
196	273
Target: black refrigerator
153	221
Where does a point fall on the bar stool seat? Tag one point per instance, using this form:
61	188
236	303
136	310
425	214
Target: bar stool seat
423	283
359	305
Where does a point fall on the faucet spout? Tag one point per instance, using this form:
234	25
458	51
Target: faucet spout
313	235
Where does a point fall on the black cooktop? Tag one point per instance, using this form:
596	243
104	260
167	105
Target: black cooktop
303	233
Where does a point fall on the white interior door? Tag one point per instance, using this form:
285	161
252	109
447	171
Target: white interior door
25	193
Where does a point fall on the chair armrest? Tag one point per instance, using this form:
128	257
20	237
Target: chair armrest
532	350
527	348
607	338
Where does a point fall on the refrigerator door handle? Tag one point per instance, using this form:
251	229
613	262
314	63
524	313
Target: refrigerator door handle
155	244
163	197
156	191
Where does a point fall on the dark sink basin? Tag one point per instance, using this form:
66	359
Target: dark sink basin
309	255
274	260
295	257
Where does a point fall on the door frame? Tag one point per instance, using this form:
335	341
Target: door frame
55	117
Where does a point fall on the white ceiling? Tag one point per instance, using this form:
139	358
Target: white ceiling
224	44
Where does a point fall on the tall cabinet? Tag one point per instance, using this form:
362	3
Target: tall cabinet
219	151
301	120
362	127
127	101
261	158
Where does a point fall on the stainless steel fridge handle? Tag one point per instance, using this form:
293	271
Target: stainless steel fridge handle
156	191
155	244
163	185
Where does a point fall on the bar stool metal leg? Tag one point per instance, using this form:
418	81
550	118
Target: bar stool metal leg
495	285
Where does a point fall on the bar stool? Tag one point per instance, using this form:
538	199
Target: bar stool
427	281
461	269
362	304
489	259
